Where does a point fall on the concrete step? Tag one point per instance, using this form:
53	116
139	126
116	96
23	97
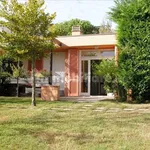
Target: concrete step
87	98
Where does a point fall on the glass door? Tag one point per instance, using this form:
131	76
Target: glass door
85	77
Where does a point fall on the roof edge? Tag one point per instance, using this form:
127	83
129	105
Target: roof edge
86	35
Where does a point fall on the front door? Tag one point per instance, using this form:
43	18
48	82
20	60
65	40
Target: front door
97	82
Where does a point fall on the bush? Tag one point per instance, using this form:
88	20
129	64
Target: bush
110	71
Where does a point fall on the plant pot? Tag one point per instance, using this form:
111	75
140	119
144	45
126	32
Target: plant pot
50	93
110	94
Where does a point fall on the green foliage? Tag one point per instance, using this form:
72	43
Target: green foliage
112	78
42	74
133	17
45	73
4	77
28	29
5	70
65	28
19	71
109	70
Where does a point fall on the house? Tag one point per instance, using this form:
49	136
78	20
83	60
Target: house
73	59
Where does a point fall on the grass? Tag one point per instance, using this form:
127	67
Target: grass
73	126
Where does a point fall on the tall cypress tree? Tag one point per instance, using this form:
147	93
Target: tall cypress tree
133	34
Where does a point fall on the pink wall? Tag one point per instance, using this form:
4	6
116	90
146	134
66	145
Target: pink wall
38	65
72	72
66	74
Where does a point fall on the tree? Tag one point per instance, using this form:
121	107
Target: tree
29	32
65	28
108	69
9	67
18	71
111	73
133	17
105	27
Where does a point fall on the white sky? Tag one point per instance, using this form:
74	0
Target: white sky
93	10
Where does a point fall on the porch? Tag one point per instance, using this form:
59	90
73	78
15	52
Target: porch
86	98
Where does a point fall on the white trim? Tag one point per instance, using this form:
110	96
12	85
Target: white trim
98	57
89	77
85	93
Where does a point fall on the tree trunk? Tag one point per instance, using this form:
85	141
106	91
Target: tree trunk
17	86
51	63
18	79
129	95
33	82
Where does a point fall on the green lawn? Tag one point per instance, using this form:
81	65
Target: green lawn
104	125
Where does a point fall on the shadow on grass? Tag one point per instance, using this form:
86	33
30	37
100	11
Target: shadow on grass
125	102
23	100
109	100
116	101
16	100
80	137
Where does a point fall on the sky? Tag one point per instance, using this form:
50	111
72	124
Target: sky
94	11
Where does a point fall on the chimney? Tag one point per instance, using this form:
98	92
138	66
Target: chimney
76	30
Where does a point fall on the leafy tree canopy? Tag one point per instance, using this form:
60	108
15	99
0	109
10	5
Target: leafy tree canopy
27	28
105	27
65	28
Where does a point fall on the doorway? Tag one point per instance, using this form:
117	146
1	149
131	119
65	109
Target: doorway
97	82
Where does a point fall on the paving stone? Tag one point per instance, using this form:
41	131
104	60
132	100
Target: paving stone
115	108
81	110
50	110
88	105
67	109
55	108
144	109
112	111
128	109
84	107
145	112
100	108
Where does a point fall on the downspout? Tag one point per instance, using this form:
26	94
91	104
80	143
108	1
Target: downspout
51	67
